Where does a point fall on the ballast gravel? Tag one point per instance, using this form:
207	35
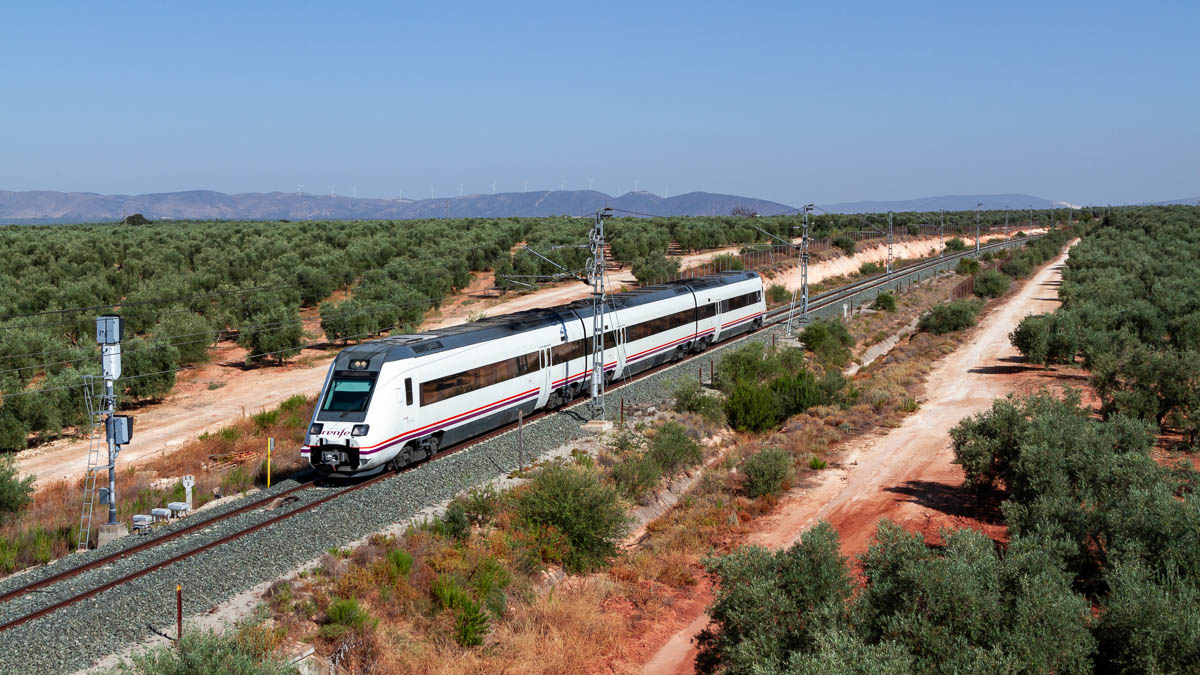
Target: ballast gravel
77	636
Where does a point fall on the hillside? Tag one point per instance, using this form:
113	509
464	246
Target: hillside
52	206
948	203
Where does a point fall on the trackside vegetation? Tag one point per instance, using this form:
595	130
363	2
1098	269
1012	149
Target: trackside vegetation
1101	572
1131	311
183	286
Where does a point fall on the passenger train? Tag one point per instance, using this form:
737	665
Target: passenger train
396	400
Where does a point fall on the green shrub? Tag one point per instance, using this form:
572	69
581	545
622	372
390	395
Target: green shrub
767	472
991	284
15	493
796	393
829	340
148	368
206	652
635	475
868	268
748	363
399	563
728	261
190	333
769	603
655	269
1018	266
845	243
948	317
454	522
344	615
481	503
470	622
673	449
816	463
967	266
751	407
1046	338
885	302
691	397
955	245
777	294
581	506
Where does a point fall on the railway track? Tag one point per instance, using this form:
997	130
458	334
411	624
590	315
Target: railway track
771	319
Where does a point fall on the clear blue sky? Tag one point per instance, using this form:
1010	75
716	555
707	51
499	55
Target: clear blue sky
1091	102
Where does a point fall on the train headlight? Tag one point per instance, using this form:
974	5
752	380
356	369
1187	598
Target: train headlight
359	364
316	428
360	429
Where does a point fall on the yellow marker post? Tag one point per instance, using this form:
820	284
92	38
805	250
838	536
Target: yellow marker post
270	447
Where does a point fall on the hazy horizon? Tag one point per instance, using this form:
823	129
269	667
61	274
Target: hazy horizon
1082	102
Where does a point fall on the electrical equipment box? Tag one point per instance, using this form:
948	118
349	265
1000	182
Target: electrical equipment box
120	429
110	329
104	498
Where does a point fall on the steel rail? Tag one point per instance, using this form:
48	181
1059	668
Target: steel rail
146	545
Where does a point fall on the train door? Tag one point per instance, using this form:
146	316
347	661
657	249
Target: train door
622	338
550	372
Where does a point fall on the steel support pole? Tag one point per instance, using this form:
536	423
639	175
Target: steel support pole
110	402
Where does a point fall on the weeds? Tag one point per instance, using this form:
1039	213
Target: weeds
767	472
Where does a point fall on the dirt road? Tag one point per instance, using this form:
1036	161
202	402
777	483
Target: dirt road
906	474
193	408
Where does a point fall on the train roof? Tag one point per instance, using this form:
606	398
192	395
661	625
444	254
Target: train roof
397	347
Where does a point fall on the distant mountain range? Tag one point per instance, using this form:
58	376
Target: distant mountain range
50	206
949	203
69	207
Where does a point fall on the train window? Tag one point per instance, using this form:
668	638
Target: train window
476	378
408	391
663	323
567	351
348	395
740	301
706	311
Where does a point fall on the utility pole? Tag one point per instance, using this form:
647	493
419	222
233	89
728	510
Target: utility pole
942	232
1031	219
977	228
596	277
890	241
109	331
803	278
1006	221
118	429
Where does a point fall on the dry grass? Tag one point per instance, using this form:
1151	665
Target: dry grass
230	461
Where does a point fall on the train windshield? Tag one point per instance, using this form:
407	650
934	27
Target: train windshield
348	394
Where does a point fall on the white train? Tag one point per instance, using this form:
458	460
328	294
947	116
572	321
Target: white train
397	400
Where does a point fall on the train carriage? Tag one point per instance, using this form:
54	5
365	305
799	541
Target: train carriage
392	401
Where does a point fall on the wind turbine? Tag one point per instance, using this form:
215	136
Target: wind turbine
460	190
401	195
493	187
331	190
590	181
356	192
635	184
667	192
300	190
563	186
525	186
